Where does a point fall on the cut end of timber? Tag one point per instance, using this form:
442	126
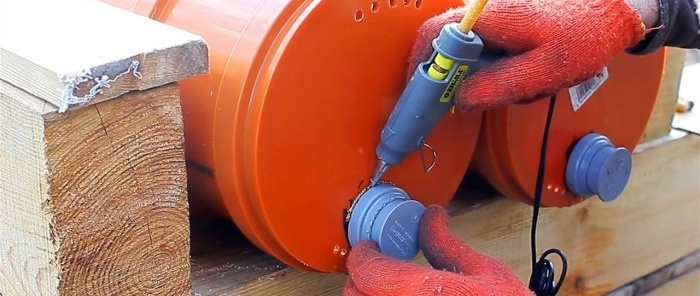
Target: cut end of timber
94	201
119	197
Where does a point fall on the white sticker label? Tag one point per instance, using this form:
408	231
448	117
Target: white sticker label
582	92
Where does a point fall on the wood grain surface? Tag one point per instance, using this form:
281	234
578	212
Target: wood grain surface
664	109
654	222
671	277
117	177
61	51
687	285
94	201
27	251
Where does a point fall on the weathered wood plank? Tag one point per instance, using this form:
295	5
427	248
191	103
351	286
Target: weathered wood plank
34	103
26	247
119	198
659	123
690	90
668	275
94	201
656	221
687	285
76	52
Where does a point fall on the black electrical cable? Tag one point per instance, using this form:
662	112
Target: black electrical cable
542	277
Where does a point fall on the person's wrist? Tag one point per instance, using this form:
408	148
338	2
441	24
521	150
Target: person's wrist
648	10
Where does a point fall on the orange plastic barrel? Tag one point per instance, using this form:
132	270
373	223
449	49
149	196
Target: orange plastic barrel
509	147
281	135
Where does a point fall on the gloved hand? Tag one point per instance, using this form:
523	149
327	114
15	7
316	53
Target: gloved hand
552	45
457	268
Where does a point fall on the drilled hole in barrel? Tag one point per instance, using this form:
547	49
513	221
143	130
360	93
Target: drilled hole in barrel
374	6
419	4
359	15
392	3
406	2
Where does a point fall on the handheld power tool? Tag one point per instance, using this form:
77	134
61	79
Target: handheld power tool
429	93
385	213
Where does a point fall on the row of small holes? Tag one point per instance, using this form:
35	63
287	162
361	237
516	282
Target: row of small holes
374	7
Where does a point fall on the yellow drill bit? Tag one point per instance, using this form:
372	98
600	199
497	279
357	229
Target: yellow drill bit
474	9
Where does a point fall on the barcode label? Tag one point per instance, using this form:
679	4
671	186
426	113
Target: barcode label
582	92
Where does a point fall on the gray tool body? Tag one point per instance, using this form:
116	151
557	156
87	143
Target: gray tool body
384	213
425	99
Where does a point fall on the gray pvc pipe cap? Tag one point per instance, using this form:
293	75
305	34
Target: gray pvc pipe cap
595	166
386	215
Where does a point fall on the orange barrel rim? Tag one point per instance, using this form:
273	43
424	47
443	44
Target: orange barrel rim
280	136
508	151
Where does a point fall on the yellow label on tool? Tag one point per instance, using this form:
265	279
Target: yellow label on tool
452	87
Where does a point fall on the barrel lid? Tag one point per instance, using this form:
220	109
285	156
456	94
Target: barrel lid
306	134
509	150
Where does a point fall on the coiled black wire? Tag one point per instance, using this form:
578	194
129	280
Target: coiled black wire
542	277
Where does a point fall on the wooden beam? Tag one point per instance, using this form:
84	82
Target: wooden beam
93	199
26	248
74	52
654	222
659	124
136	181
669	277
688	284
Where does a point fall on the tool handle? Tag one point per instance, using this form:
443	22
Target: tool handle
428	96
430	93
418	110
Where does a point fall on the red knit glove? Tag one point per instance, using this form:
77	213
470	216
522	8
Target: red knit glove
553	44
457	268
